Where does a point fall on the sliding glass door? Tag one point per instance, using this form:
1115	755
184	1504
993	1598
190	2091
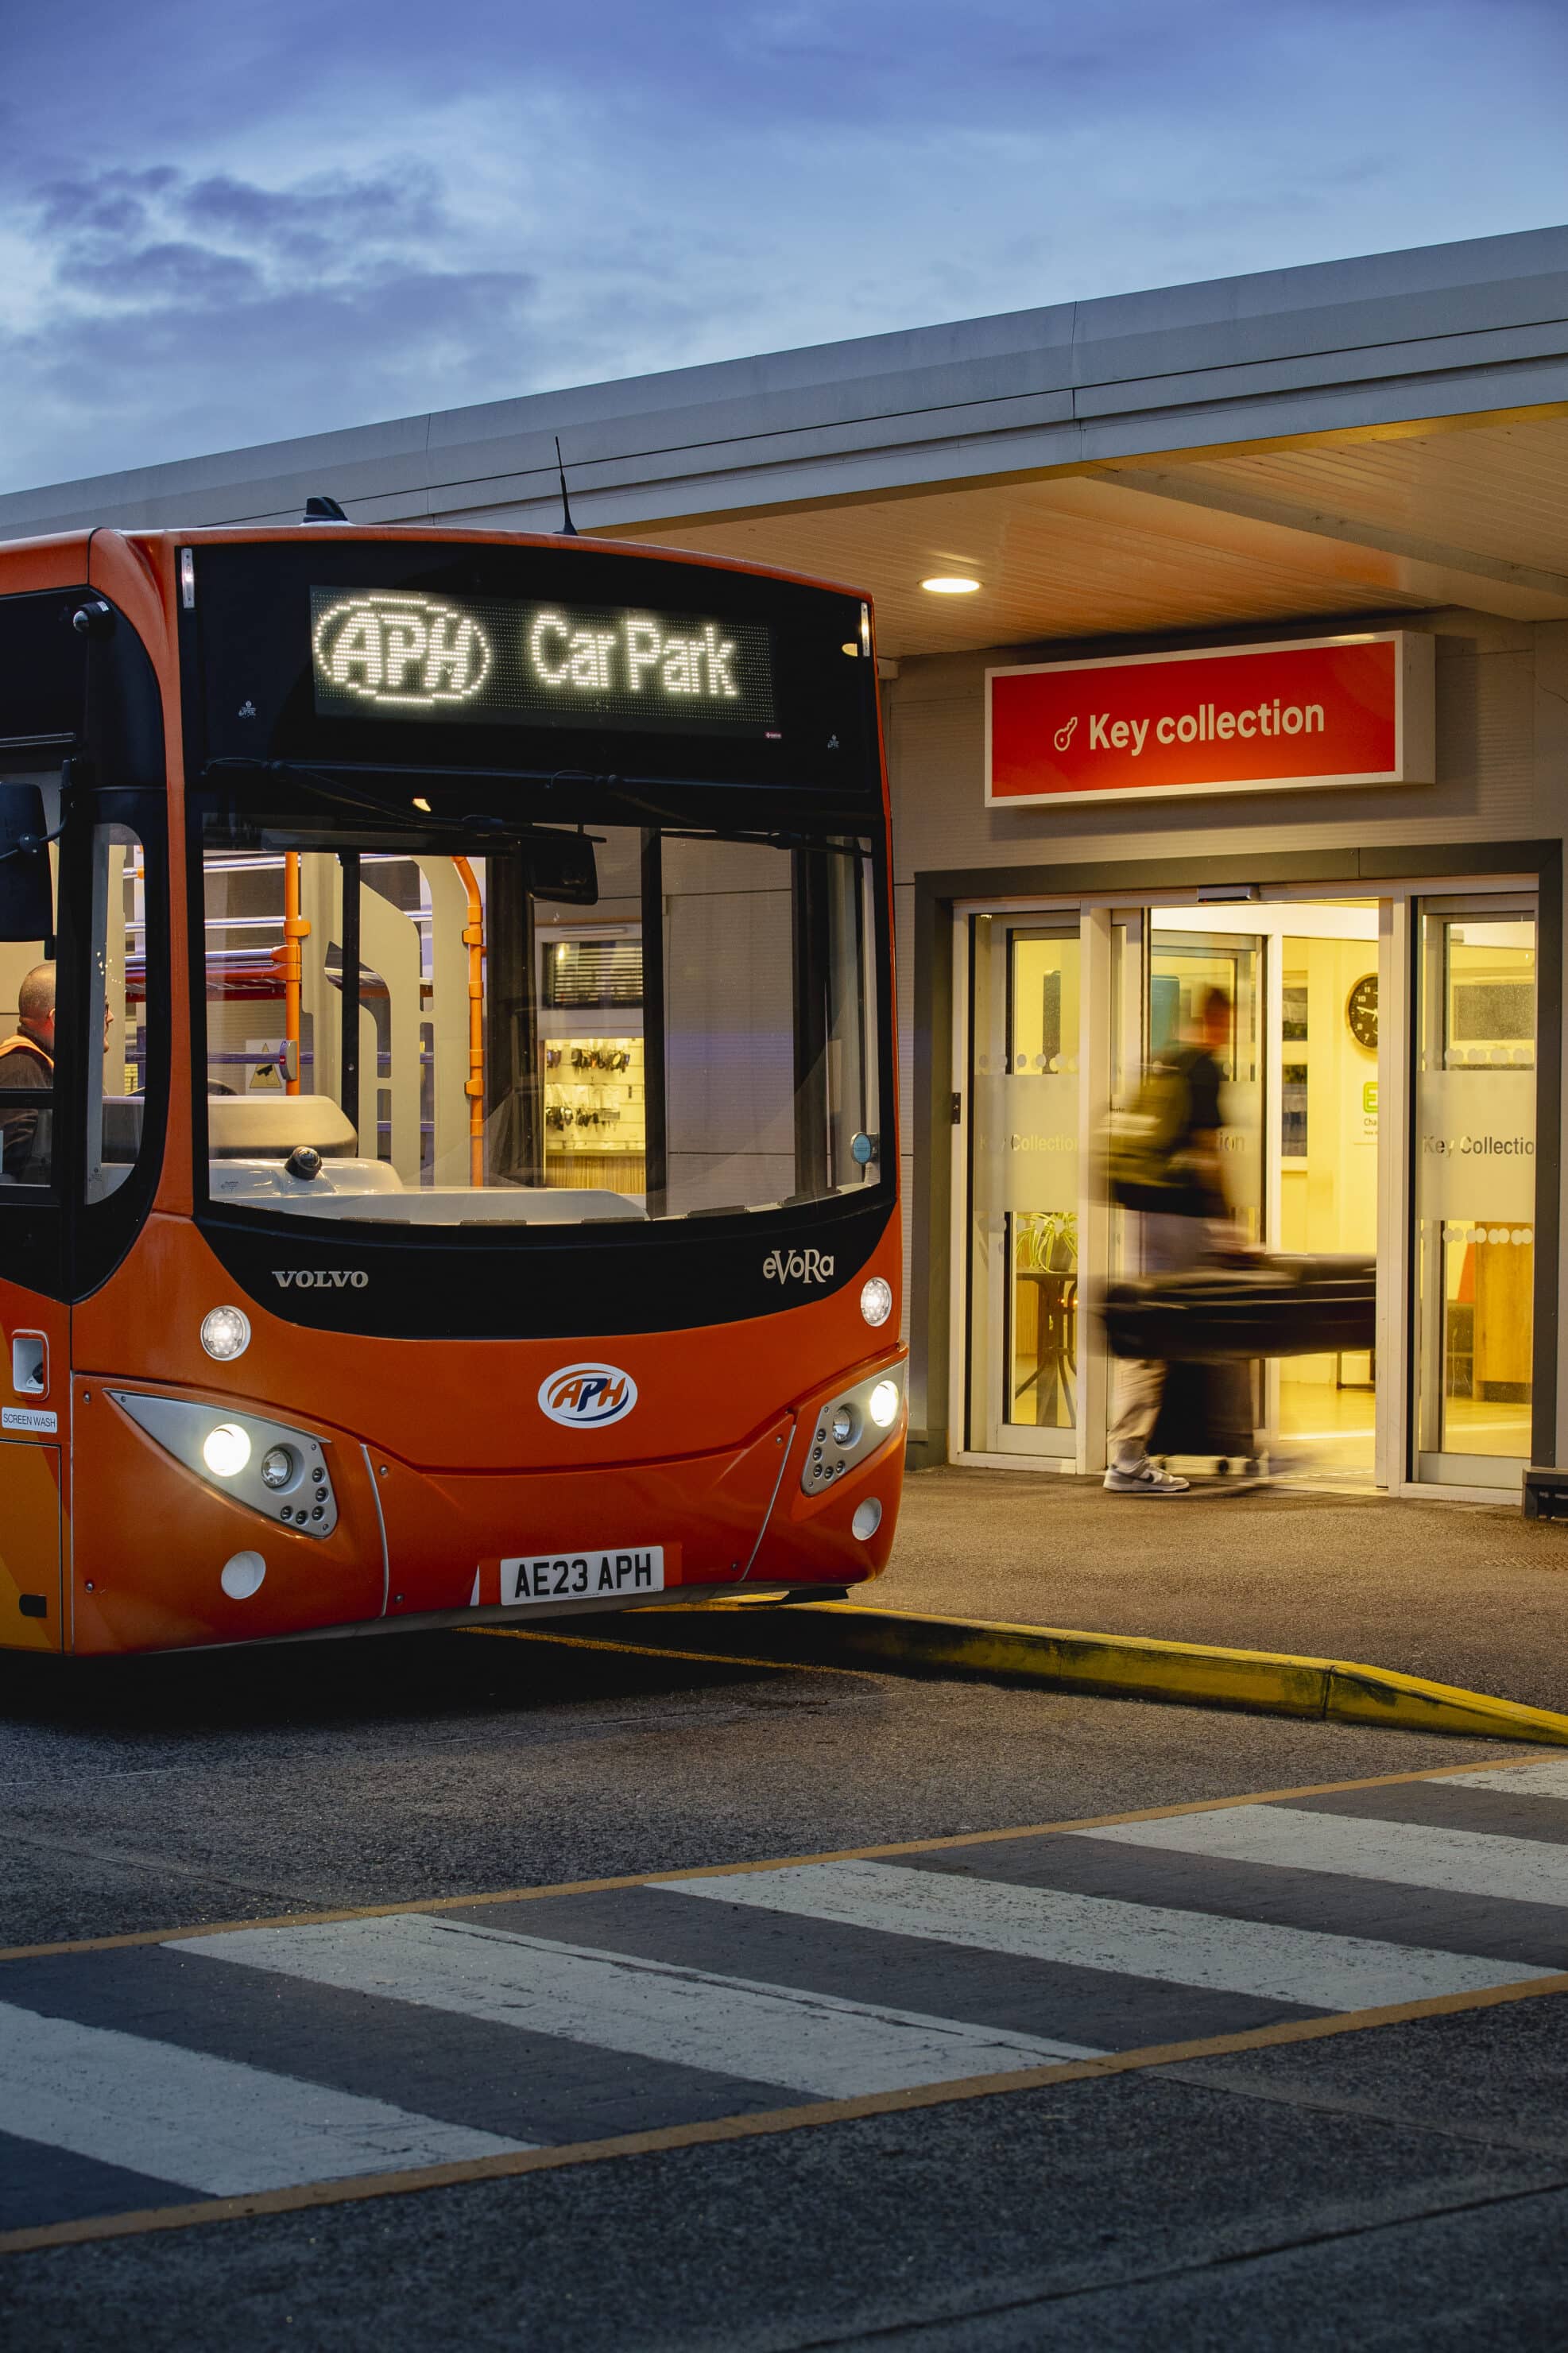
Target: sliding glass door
1474	1260
1023	1182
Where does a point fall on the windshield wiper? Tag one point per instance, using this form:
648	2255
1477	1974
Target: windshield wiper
329	788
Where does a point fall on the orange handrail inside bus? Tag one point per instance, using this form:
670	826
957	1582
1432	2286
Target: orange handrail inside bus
474	941
296	927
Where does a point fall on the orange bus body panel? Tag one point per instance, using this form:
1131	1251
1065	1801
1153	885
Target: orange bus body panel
468	1471
464	1405
30	1541
152	1540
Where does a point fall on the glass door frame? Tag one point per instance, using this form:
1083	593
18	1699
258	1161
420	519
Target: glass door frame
1396	1463
1452	1471
1093	922
992	1437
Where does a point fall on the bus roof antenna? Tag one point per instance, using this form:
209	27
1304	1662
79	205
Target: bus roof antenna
320	509
568	528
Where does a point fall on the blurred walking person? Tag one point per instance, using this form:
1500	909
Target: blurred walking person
1169	1167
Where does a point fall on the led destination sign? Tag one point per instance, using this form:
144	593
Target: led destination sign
397	654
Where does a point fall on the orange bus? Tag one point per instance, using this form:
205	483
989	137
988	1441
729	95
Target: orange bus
446	1091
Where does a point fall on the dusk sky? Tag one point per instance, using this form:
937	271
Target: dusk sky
223	227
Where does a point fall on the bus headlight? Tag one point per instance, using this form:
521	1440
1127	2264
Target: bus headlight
882	1405
225	1333
268	1466
225	1450
852	1426
876	1300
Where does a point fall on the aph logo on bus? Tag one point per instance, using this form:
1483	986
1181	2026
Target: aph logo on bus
586	1396
409	651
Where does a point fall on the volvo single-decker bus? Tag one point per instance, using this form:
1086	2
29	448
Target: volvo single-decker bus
446	1091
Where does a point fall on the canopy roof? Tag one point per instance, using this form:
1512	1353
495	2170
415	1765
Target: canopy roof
1352	438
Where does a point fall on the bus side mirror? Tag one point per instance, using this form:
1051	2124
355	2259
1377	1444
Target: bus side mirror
26	879
561	866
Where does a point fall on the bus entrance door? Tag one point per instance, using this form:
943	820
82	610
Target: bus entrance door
32	1382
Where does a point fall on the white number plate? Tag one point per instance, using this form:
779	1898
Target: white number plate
599	1575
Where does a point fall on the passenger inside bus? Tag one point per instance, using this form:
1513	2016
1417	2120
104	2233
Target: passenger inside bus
27	1060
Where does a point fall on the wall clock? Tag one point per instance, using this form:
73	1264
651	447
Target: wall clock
1360	1012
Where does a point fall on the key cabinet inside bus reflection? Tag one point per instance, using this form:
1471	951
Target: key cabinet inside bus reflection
507	1172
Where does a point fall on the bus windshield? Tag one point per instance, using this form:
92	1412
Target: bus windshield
401	1025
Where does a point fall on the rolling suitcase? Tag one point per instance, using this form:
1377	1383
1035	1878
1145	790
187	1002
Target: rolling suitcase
1264	1306
1205	1410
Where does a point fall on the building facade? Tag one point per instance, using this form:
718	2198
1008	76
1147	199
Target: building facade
1334	496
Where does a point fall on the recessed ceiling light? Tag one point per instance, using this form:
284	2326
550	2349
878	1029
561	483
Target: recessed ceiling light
950	585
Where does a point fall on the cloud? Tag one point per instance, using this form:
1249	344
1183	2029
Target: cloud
210	303
189	275
293	225
112	204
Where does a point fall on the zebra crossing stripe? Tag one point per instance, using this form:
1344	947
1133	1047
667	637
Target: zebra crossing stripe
1408	1854
213	2125
1547	1779
734	2026
1304	1965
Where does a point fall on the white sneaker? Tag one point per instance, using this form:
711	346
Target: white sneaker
1145	1479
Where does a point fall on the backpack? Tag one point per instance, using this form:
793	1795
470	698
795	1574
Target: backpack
1144	1169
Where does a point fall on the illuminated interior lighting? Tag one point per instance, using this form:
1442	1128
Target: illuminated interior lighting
945	584
421	803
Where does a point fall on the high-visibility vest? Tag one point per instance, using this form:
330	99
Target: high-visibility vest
28	1045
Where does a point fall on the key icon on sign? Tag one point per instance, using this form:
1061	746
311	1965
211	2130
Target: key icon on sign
1064	734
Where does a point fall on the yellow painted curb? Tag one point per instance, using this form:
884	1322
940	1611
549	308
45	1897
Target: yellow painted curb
1127	1666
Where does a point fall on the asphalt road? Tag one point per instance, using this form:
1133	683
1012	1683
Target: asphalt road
1400	2185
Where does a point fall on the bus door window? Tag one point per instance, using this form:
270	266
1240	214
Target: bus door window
27	1056
28	1047
115	1013
34	1366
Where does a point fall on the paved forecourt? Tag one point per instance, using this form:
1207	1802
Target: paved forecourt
147	2082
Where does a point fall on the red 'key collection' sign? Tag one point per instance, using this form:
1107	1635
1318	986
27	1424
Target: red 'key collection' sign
1327	711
